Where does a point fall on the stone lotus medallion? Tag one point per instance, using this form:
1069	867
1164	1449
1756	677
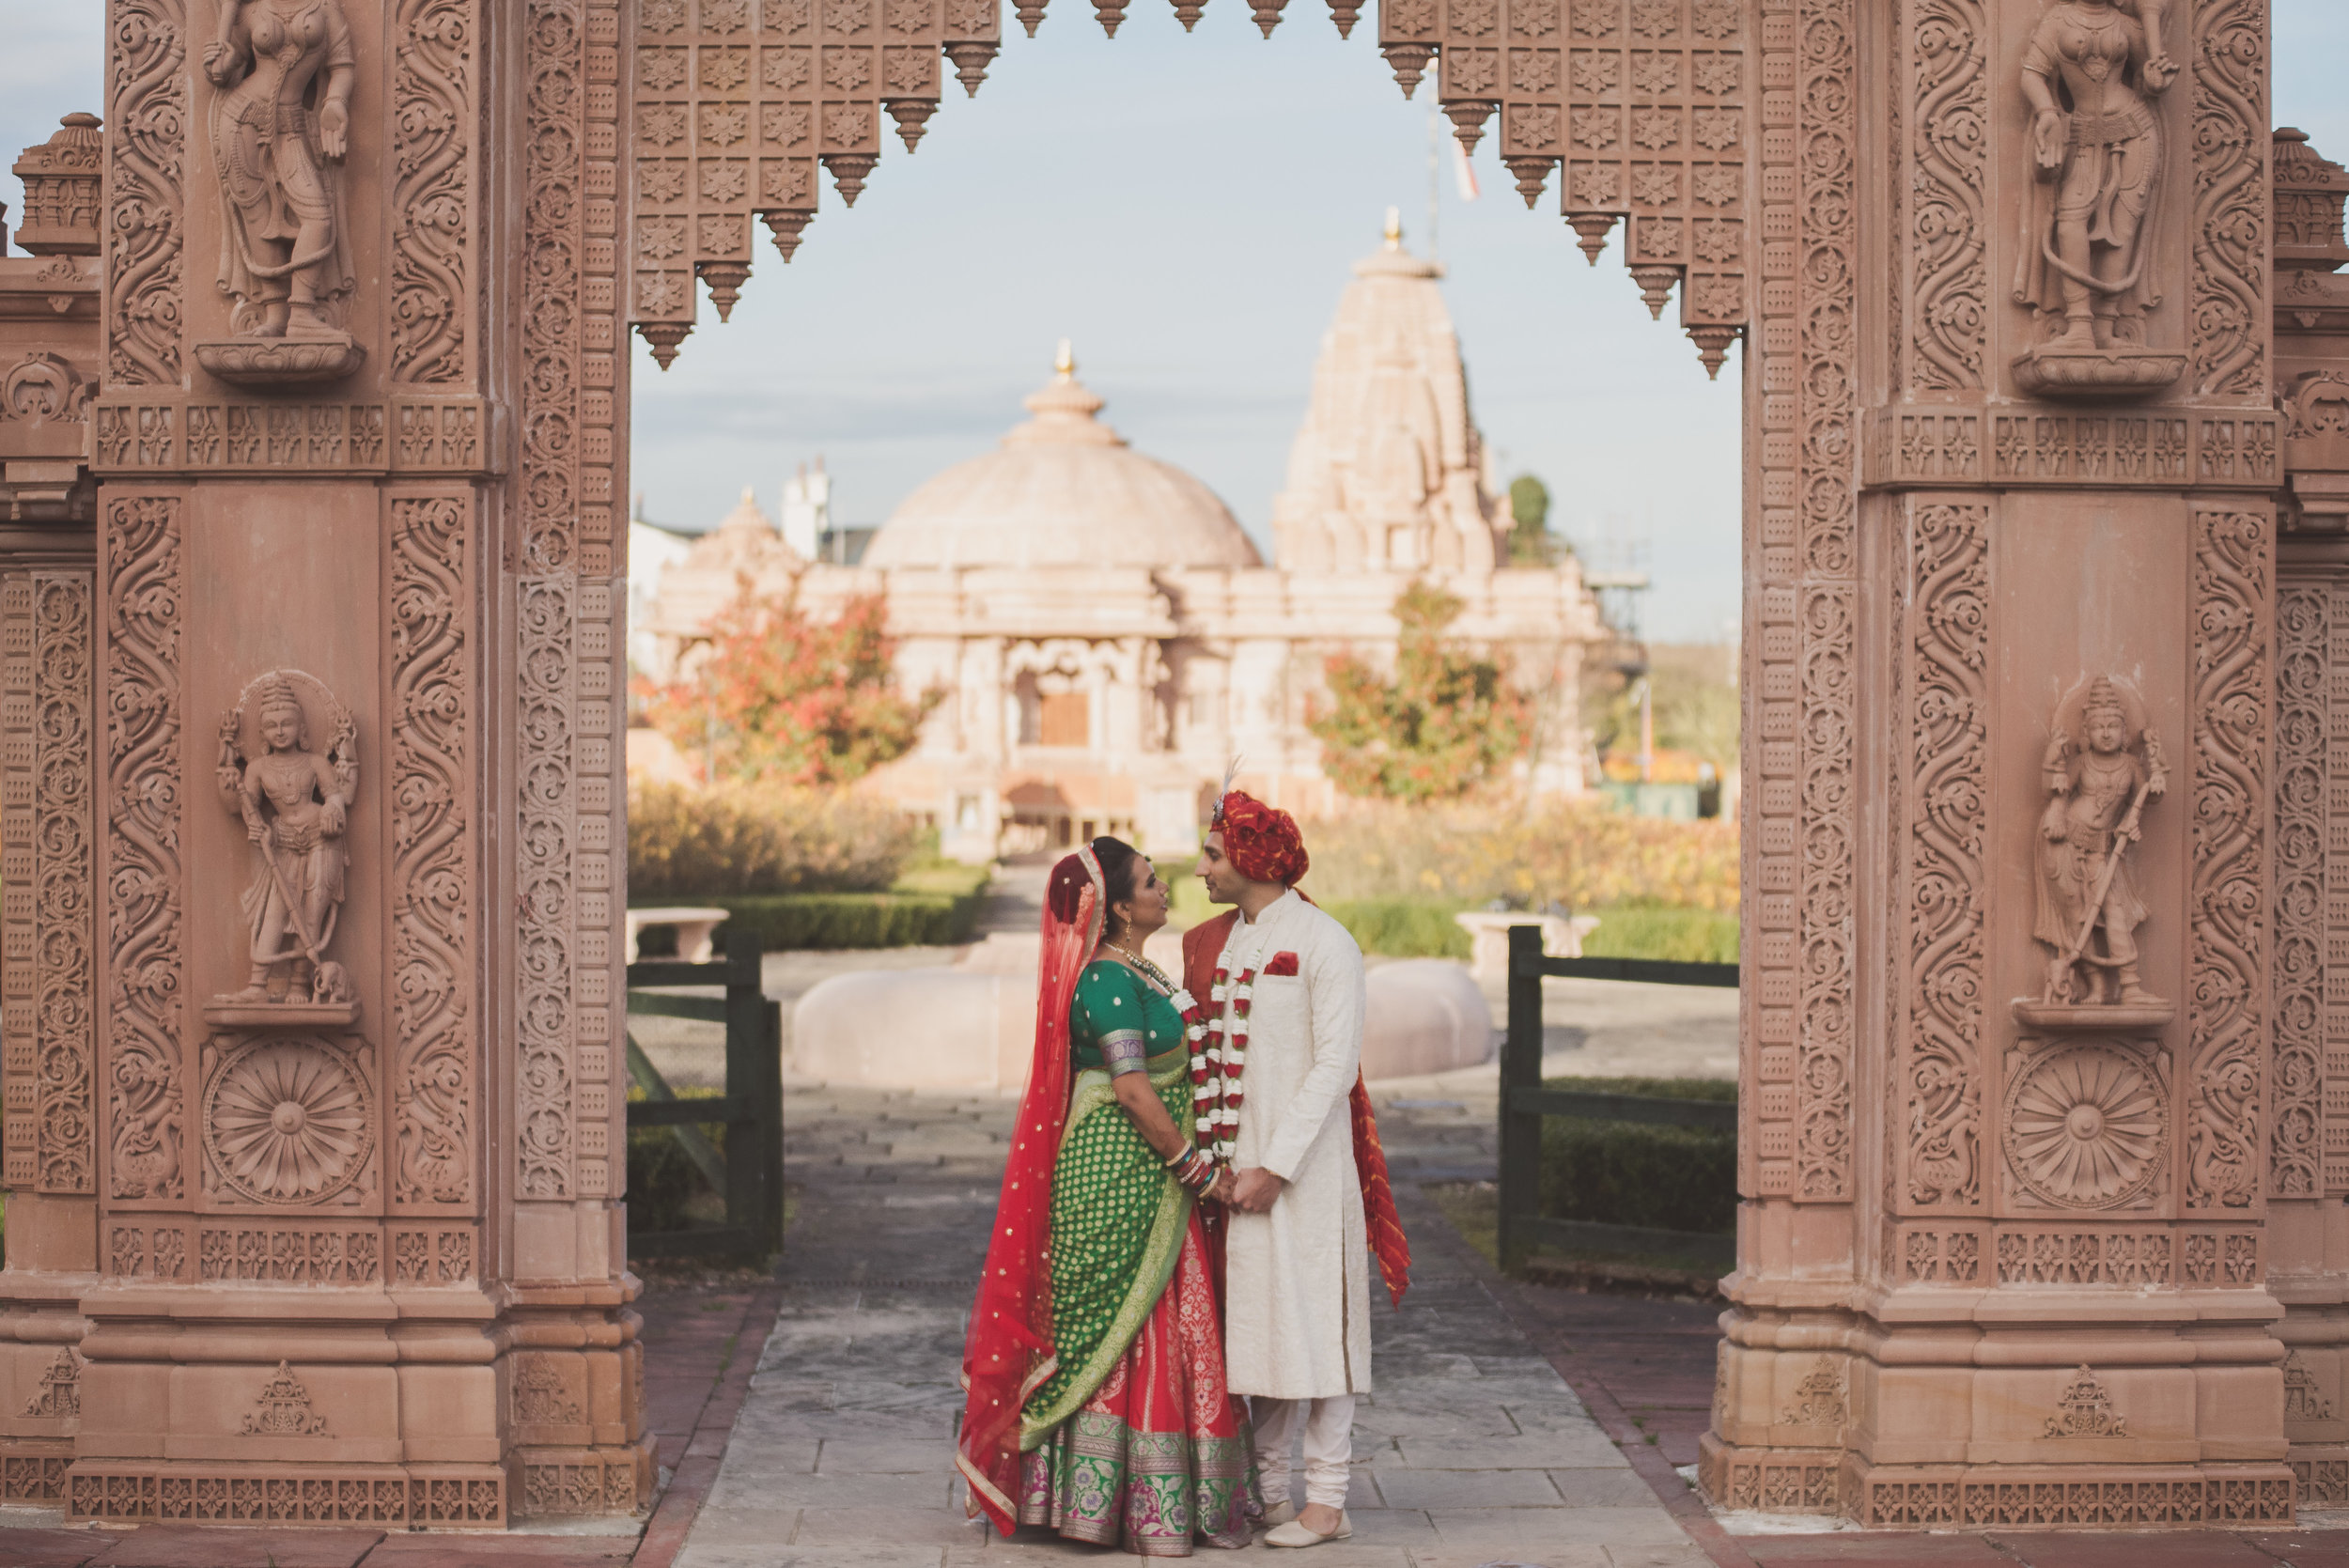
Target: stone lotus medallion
2087	1127
287	1121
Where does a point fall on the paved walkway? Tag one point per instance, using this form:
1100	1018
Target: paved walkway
1473	1451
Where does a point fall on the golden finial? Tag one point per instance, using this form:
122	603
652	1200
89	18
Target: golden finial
1065	361
1395	228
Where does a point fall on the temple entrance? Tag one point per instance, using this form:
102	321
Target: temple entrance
322	446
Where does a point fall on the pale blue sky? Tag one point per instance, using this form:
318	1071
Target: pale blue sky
1184	209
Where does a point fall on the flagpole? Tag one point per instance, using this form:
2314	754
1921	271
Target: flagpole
1434	174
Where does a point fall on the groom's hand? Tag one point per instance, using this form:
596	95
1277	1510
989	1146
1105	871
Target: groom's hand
1254	1188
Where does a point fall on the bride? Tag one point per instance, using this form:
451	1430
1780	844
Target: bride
1095	1360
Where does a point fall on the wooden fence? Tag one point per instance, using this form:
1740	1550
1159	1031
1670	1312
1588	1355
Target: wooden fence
749	1171
1524	1102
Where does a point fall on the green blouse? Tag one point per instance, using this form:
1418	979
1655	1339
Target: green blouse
1117	1020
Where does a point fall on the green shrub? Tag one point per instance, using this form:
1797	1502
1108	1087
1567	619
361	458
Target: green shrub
1634	1173
666	1190
854	920
1403	928
1580	853
742	839
951	878
1689	936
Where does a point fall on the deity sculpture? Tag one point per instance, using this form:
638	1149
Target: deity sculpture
2098	785
295	804
284	69
2089	74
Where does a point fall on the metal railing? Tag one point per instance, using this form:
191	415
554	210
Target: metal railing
749	1171
1524	1102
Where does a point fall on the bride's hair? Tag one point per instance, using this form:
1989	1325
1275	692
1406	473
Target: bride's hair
1122	868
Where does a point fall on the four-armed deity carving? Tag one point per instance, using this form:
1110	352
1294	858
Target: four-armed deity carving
2100	777
294	802
2085	265
280	126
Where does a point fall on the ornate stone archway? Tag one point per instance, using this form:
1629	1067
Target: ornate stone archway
2012	385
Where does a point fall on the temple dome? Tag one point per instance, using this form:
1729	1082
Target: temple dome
1064	490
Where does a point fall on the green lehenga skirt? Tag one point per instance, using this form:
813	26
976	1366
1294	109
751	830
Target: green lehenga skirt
1133	1438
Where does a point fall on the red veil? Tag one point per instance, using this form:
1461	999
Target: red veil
1010	1349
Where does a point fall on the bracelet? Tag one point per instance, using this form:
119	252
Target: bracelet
1196	1169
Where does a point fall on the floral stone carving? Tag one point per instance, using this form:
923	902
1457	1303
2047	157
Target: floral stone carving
2088	1127
283	1410
295	804
285	1120
59	1394
280	126
2090	75
2101	772
2085	1410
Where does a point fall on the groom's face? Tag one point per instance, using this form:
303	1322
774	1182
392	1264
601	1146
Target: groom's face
1216	873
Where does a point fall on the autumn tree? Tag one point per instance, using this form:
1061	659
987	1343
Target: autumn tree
1446	723
1531	542
777	697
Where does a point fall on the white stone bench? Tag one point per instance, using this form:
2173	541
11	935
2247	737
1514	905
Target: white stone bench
1488	937
694	930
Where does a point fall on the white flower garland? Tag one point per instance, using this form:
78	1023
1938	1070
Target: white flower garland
1217	1058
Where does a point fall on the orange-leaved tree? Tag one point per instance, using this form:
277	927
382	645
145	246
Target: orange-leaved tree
778	697
1447	721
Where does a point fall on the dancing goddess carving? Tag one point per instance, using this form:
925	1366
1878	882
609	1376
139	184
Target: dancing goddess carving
295	804
275	127
2099	781
2090	75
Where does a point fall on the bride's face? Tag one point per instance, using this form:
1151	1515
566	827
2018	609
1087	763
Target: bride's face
1145	912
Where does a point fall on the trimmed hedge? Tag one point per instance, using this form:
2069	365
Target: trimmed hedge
932	905
1634	1173
1403	928
666	1190
787	921
1684	935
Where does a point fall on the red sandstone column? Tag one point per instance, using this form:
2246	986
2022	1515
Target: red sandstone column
2012	558
349	1243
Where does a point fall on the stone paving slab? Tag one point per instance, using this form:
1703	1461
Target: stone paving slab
202	1547
1472	1451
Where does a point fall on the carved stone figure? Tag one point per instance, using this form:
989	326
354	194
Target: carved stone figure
281	120
275	127
2090	75
295	805
2098	780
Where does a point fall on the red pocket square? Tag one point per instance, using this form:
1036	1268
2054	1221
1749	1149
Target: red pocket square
1283	963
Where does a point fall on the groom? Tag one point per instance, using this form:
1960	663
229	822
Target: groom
1296	1278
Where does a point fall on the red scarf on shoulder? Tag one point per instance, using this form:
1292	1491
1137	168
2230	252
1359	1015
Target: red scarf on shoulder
1202	946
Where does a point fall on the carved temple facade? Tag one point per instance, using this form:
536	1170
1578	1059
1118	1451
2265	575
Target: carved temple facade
311	466
1109	638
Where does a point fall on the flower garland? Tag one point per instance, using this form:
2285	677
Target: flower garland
1218	1059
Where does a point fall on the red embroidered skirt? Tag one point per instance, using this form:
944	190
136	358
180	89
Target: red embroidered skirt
1161	1455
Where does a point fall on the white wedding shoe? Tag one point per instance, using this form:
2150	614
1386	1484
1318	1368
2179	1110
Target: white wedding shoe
1278	1515
1295	1534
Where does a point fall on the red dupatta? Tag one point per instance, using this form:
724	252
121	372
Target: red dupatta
1009	1352
1202	946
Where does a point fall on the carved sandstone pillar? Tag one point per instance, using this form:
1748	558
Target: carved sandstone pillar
333	1232
2009	1144
2309	1243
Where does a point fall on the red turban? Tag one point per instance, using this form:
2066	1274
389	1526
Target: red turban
1261	842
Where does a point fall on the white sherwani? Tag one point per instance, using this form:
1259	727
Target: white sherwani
1296	1281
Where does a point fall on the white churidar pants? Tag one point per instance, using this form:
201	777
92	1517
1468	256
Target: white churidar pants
1328	1425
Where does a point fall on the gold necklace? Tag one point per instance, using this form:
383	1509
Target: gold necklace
1149	970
